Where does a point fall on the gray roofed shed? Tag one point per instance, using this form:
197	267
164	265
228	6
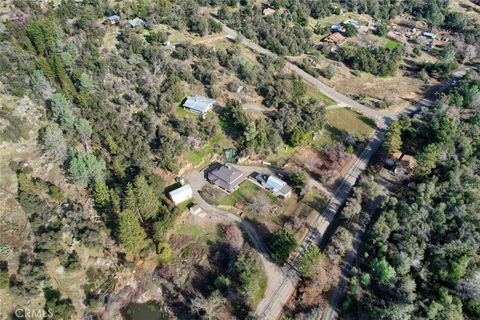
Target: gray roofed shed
198	104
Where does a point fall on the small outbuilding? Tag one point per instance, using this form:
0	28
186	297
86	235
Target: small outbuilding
353	23
336	28
137	22
198	104
429	35
181	194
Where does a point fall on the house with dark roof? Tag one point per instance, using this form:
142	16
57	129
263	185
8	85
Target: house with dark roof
226	177
198	104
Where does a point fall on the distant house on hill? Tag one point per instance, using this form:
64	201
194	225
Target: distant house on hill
353	23
336	28
112	20
336	38
268	11
137	22
181	194
429	35
198	104
226	177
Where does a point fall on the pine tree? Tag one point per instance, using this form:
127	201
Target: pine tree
62	111
147	202
102	193
393	138
131	234
55	143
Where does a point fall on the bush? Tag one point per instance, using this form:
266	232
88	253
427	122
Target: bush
56	193
381	30
282	244
308	261
164	251
4	276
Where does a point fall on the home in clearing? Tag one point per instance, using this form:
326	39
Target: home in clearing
137	22
268	11
336	38
198	104
226	177
112	20
181	194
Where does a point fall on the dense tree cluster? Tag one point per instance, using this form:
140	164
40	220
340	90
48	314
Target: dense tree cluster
378	61
422	250
280	33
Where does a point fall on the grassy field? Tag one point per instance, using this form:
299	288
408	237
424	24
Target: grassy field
315	199
391	44
245	192
350	121
198	156
201	233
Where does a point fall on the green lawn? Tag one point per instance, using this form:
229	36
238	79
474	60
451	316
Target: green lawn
347	120
196	157
391	44
315	199
182	113
245	192
201	233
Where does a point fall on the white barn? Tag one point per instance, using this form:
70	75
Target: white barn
181	194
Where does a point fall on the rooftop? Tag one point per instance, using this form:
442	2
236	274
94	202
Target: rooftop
137	21
335	37
198	103
184	189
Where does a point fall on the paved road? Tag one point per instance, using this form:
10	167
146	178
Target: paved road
341	99
331	311
272	305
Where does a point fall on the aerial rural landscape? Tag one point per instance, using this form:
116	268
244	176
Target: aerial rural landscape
240	159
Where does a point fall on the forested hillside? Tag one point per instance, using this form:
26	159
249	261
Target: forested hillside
110	100
422	252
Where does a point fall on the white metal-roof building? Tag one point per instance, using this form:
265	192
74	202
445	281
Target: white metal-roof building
181	194
279	187
198	104
136	22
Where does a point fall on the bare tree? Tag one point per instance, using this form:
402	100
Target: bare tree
233	237
208	308
261	205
